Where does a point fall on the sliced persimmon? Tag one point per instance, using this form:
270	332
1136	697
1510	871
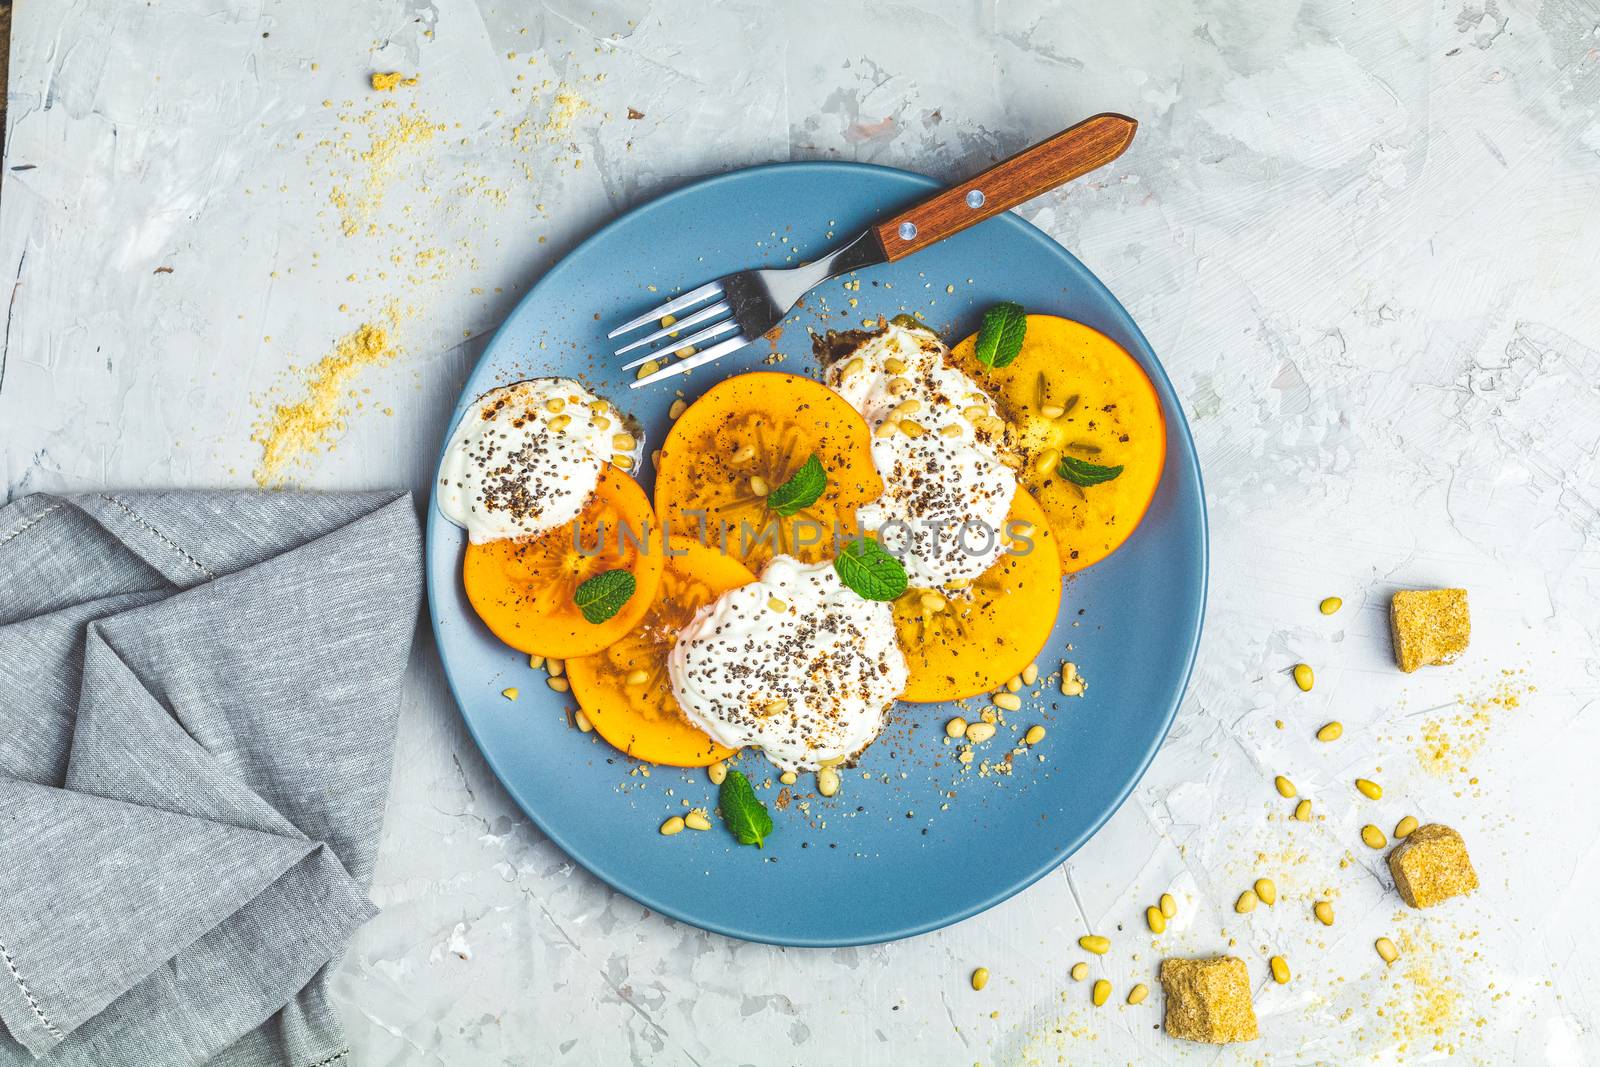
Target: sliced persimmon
1074	393
625	691
749	435
524	589
962	642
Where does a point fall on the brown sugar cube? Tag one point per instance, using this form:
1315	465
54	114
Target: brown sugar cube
1431	865
1209	1000
1429	626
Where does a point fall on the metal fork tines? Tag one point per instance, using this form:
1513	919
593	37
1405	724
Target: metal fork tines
742	307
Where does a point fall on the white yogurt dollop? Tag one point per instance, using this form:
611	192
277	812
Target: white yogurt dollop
795	664
526	457
946	492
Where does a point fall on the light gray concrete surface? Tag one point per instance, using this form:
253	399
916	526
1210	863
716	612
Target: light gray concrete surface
1364	238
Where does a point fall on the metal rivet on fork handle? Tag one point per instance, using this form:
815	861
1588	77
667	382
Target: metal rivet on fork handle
975	199
908	230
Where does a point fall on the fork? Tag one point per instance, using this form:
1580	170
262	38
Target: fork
748	303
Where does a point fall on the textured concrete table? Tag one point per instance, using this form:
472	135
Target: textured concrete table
1364	237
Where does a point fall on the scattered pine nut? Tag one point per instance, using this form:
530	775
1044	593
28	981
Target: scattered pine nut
638	676
759	486
668	320
717	772
1080	971
1386	949
697	820
1403	828
1008	701
560	422
1155	920
555	405
1331	732
1046	461
647	369
979	732
1303	677
1330	604
776	605
950	429
1030	674
1373	837
622	442
1052	411
1169	905
788	778
560	685
1095	943
1302	811
1102	992
1323	910
1285	787
955	727
911	428
1137	994
1072	683
1369	789
894	365
1034	735
580	719
677	409
672	826
933	603
1280	969
1246	902
509	694
775	707
744	454
556	667
1014	683
1267	891
980	978
855	366
535	662
827	781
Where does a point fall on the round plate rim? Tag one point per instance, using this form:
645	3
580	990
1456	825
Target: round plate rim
642	896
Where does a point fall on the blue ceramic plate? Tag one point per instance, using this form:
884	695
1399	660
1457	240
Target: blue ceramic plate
911	842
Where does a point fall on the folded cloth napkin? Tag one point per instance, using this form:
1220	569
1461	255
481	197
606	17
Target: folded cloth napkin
198	698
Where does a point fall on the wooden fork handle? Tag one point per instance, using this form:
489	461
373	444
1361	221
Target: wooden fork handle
1073	152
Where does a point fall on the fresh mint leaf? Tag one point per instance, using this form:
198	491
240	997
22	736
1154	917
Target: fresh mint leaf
601	597
801	490
1000	337
870	570
1082	472
743	812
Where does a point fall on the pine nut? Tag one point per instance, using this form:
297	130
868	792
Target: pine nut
555	405
774	604
1323	910
911	428
1014	683
1369	789
1095	943
1373	837
1169	905
980	978
560	685
775	707
758	485
622	461
827	781
1267	891
1331	732
622	442
1046	461
788	778
668	320
1008	701
1034	735
647	369
744	455
580	719
1030	674
1155	920
975	413
696	820
1080	971
601	422
1137	994
1285	787
894	365
1403	828
677	409
897	386
1303	677
672	826
1102	992
717	772
955	727
556	667
535	662
950	429
908	407
1386	949
1246	902
1280	969
933	603
979	732
1330	605
509	694
637	677
560	422
885	429
1302	811
855	366
1052	411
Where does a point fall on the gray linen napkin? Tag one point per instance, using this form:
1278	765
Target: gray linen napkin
198	698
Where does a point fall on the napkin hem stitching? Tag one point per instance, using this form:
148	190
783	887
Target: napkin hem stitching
28	995
169	542
335	1058
28	524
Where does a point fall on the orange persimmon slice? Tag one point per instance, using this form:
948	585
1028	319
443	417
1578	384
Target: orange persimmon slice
624	690
1074	392
749	435
523	589
959	643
